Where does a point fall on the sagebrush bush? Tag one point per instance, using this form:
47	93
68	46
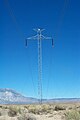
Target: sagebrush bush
40	109
59	107
12	113
26	117
72	115
13	110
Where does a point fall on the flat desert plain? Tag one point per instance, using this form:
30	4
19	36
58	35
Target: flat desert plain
53	111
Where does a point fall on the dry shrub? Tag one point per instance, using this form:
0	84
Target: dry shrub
72	115
13	110
12	113
26	117
39	109
59	107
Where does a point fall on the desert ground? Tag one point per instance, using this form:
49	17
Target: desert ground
53	111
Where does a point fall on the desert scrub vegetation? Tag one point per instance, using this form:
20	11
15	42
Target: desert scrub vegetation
46	108
72	115
4	107
0	114
34	109
13	111
59	107
40	109
26	117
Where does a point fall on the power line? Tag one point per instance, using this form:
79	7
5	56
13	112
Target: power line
11	13
21	33
61	17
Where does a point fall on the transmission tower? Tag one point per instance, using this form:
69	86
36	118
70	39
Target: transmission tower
39	37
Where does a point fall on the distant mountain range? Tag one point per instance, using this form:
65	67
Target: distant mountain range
9	96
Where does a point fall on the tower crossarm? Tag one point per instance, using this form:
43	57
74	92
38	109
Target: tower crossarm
33	37
46	38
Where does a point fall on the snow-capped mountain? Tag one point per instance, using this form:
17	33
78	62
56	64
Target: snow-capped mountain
9	96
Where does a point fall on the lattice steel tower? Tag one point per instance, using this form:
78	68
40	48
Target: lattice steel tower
39	37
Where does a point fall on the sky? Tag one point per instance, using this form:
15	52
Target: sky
60	65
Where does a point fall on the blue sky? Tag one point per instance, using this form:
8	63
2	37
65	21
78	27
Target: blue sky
61	64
